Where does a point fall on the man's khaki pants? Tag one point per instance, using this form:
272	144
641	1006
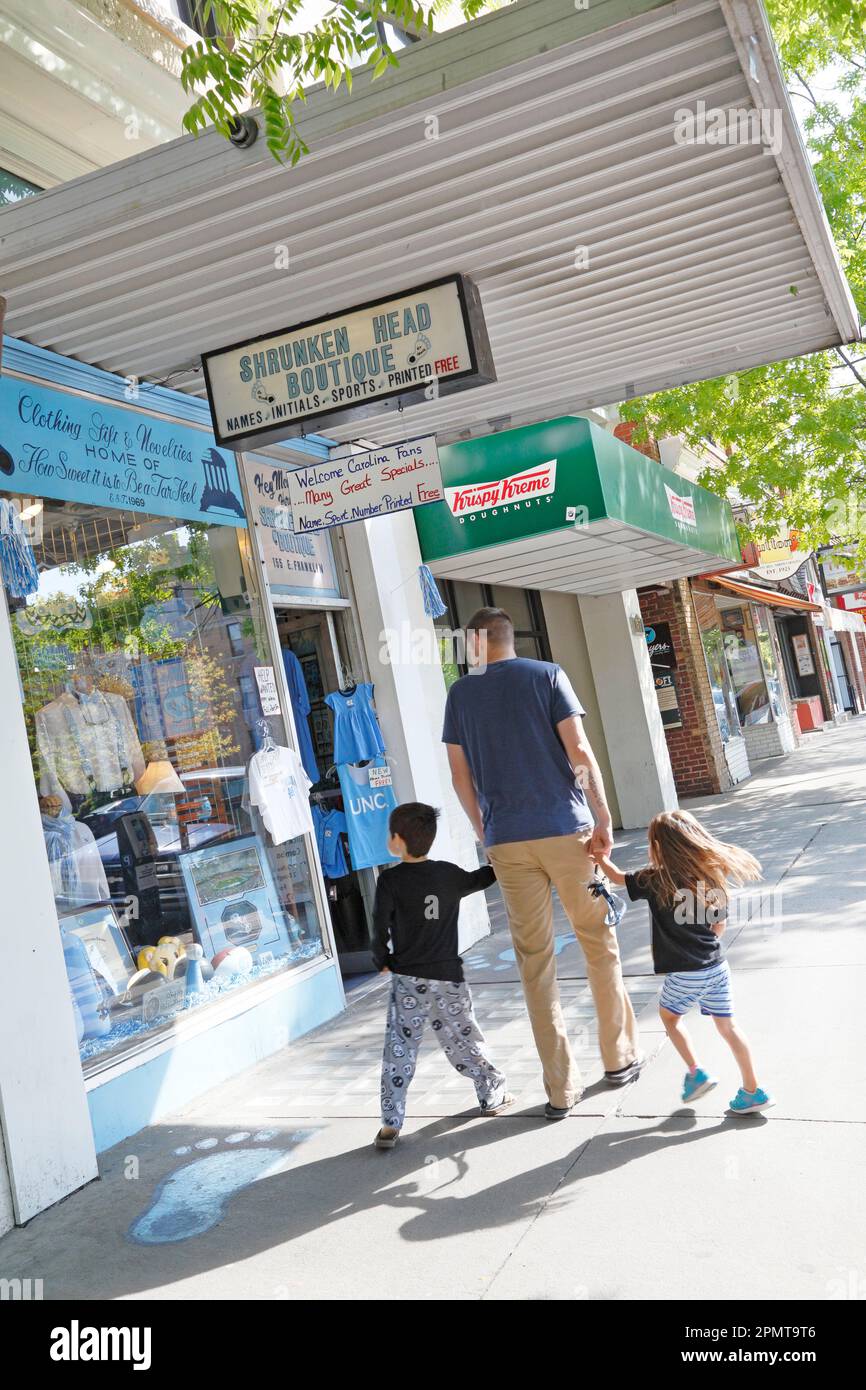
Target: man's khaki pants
527	870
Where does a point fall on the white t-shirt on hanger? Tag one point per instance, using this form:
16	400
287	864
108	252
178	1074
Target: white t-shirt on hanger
279	787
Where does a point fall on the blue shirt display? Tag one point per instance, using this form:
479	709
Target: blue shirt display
368	800
504	718
357	735
301	710
328	826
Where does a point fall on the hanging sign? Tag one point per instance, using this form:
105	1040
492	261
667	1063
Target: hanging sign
668	701
415	346
840	576
361	486
300	567
73	448
267	683
803	655
781	561
660	647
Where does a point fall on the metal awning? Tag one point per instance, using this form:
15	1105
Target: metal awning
774	598
842	621
533	150
566	505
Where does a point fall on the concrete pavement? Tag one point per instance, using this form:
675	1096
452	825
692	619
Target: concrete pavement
268	1187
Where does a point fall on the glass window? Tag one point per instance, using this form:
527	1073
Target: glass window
724	696
744	664
516	604
463	599
13	189
764	634
467	599
176	835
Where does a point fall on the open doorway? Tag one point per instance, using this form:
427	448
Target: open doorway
318	662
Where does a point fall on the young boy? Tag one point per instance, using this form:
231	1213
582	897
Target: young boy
417	906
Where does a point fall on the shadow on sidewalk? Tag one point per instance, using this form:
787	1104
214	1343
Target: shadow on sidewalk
188	1227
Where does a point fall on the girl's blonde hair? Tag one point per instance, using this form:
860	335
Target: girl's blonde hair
685	856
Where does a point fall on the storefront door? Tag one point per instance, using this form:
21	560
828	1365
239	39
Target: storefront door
840	672
316	648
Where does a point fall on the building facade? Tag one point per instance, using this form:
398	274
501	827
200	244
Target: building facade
173	656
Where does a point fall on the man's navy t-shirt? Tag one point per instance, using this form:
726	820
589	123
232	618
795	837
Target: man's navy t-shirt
504	718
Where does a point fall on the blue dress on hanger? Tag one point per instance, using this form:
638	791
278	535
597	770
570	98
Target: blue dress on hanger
301	709
357	735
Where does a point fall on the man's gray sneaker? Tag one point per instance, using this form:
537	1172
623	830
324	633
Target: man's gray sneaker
625	1074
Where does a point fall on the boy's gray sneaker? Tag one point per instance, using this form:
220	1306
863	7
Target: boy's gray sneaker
387	1137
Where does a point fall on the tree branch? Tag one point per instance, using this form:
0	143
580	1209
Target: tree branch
850	365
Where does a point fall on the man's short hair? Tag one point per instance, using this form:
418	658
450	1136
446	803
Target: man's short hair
415	823
495	622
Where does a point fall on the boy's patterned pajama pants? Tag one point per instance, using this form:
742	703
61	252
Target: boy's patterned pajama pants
448	1008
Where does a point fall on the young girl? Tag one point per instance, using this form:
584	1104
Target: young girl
686	886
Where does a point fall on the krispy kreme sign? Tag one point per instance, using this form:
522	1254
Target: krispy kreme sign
682	508
470	498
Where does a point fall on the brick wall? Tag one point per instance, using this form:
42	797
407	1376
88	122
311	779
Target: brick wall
696	750
624	431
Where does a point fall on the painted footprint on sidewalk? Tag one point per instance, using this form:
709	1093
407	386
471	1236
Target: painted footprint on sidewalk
195	1196
508	957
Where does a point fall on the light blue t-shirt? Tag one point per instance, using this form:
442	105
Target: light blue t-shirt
368	800
504	718
328	826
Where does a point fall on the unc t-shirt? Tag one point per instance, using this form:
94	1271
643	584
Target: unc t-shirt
368	800
504	718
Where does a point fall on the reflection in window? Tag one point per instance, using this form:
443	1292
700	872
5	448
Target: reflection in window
13	188
138	660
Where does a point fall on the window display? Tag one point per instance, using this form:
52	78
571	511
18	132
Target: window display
744	663
181	867
724	697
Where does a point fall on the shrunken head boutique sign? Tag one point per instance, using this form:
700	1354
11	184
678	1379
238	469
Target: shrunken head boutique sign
422	343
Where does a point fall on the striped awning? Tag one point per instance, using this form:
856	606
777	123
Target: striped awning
774	598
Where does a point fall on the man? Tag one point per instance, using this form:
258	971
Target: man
529	782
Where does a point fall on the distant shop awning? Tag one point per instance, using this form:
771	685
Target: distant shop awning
842	621
566	505
773	597
541	150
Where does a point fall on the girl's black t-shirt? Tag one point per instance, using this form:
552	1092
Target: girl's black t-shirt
416	910
682	932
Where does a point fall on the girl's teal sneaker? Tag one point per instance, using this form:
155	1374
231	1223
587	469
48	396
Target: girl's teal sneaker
697	1085
747	1102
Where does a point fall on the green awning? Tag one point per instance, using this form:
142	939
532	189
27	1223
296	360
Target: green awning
566	505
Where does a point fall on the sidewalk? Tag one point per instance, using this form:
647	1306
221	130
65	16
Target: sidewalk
268	1187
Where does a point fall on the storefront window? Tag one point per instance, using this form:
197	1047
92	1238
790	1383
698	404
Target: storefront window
768	660
743	658
724	697
178	851
463	599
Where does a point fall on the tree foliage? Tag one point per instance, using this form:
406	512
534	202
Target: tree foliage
264	57
794	433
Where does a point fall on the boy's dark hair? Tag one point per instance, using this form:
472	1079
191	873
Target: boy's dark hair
415	823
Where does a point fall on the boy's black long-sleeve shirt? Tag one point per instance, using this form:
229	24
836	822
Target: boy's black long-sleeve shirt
417	906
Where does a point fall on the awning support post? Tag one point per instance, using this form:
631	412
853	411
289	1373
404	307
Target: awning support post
633	730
